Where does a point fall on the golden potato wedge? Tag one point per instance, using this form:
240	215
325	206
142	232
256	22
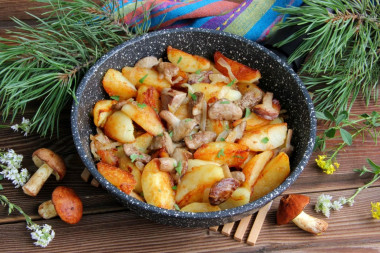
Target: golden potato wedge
253	121
247	87
122	179
119	127
143	142
242	72
277	121
115	84
197	207
217	126
150	96
192	185
144	116
273	174
191	163
157	186
187	62
253	168
126	164
238	198
218	90
102	109
232	154
142	76
109	156
265	138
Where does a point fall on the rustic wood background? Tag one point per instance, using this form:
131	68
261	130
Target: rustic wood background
109	227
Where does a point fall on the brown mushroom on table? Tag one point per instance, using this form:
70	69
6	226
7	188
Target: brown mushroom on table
64	203
291	209
181	128
48	163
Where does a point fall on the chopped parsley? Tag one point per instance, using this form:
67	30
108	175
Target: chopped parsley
143	78
222	139
135	156
200	79
187	120
198	72
174	187
142	106
265	140
231	83
178	168
115	98
225	102
193	96
179	60
220	153
171	134
176	207
161	134
247	113
159	190
238	156
190	137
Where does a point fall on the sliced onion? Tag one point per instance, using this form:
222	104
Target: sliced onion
188	86
216	78
224	64
202	124
223	135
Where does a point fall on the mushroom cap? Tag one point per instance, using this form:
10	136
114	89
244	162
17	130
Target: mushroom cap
67	204
290	207
54	161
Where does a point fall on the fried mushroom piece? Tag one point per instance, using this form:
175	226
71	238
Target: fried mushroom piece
167	164
195	105
222	190
147	62
172	99
223	109
167	70
181	128
162	141
181	155
198	139
131	150
202	77
250	99
269	109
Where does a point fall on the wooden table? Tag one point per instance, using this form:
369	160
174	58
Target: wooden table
107	226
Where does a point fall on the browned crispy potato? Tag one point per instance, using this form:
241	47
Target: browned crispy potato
192	185
232	154
187	62
143	142
180	78
217	126
142	76
119	127
126	164
197	207
265	138
109	156
247	87
253	121
238	198
144	116
273	174
191	163
222	190
122	179
242	72
157	186
217	90
102	109
253	168
150	96
115	84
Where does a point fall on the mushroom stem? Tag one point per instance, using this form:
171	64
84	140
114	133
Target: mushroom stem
47	210
35	183
310	224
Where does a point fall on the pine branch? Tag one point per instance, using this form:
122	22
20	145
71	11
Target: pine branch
45	62
343	40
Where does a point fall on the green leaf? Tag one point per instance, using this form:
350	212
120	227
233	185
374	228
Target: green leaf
142	106
330	133
115	98
225	102
178	168
220	153
321	115
143	78
177	207
238	156
1	177
247	112
374	166
341	116
133	157
193	96
265	140
198	72
222	139
179	60
346	136
329	116
231	83
171	134
1	187
174	187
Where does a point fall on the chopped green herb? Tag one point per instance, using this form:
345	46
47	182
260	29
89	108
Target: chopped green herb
238	156
176	207
265	140
247	112
156	110
159	190
179	60
115	98
171	134
193	96
220	153
161	134
174	187
143	78
178	168
187	120
222	139
200	79
231	83
142	106
198	72
227	126
190	137
135	156
225	102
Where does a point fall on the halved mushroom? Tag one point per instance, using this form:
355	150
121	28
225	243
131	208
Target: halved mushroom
172	99
147	62
181	128
183	155
131	151
202	77
237	132
269	109
196	140
167	164
162	141
196	105
167	70
250	99
224	109
222	190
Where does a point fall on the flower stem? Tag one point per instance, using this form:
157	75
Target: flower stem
4	200
375	178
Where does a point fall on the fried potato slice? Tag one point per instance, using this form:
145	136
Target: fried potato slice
273	174
142	142
119	127
253	121
142	76
191	163
102	109
238	198
232	154
115	84
157	186
197	207
126	164
247	87
217	126
144	116
122	179
217	90
150	96
265	138
242	72
109	156
192	185
187	62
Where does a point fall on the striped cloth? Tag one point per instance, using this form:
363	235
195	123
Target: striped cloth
253	19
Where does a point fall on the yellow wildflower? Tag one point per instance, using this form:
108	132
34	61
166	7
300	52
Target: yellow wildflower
326	165
375	210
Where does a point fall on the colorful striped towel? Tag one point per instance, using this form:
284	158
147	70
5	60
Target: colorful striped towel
253	19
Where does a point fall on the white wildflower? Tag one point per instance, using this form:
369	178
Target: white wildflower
11	163
336	205
24	126
324	204
42	234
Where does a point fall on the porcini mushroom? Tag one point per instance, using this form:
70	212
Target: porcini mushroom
269	109
181	128
291	209
65	203
48	163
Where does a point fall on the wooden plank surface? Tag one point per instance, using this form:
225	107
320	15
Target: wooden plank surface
107	226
